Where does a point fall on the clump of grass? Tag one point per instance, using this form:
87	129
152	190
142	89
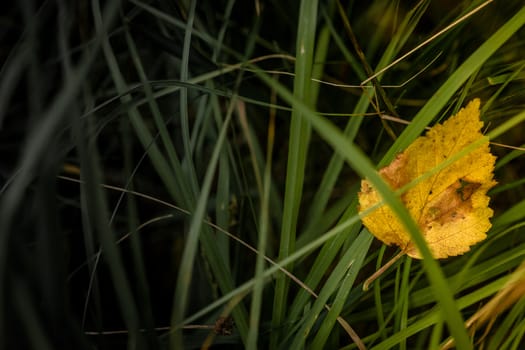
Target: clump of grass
185	175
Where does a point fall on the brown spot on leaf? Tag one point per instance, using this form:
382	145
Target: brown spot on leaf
392	174
466	189
451	204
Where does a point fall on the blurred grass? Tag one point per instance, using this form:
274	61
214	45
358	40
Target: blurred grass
215	122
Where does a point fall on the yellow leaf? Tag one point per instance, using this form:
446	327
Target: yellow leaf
450	206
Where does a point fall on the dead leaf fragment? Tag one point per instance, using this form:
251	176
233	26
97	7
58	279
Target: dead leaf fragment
450	206
508	296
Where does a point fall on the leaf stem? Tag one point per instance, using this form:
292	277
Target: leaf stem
383	268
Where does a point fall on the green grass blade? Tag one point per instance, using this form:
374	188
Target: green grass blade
187	261
264	221
180	184
188	164
323	261
453	83
274	268
434	316
354	257
298	148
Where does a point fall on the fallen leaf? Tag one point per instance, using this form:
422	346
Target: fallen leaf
450	206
